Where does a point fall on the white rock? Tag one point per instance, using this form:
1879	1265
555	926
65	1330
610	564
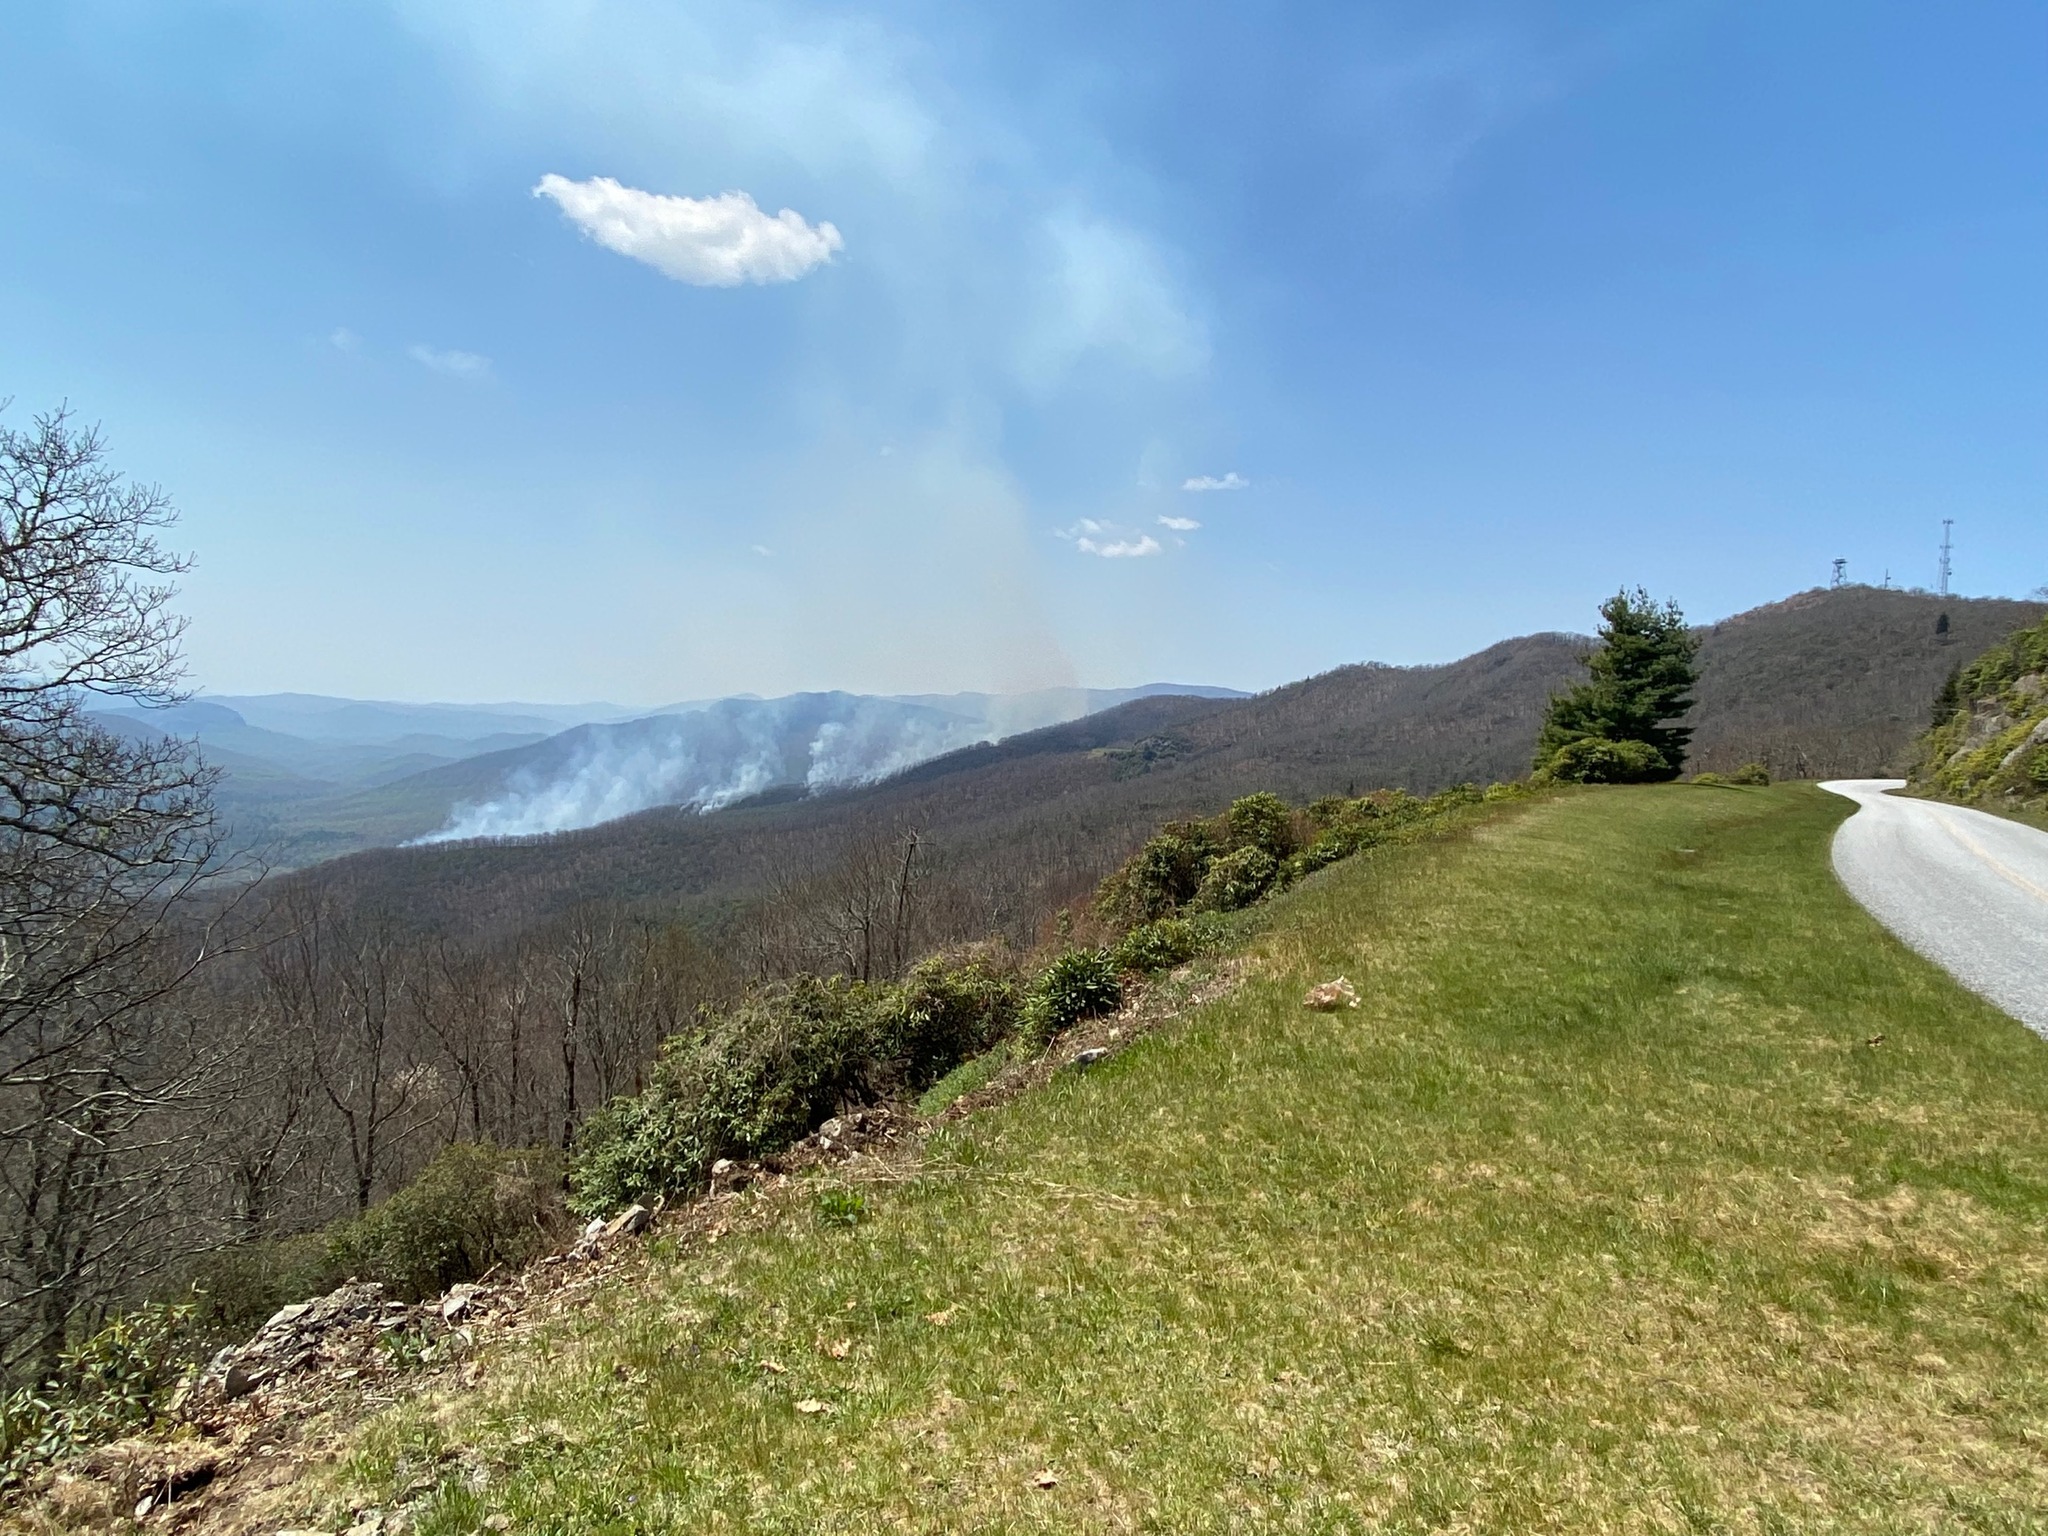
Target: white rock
630	1222
458	1301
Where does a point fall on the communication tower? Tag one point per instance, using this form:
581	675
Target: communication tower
1841	574
1946	524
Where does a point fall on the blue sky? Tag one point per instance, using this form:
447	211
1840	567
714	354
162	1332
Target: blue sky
1469	313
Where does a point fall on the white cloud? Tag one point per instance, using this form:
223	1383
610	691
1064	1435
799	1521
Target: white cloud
1109	541
342	339
1120	549
763	551
1230	482
457	365
713	242
1179	524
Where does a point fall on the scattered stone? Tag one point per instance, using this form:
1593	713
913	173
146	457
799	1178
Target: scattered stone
1046	1479
586	1246
1086	1059
292	1337
630	1222
727	1176
1329	996
812	1405
460	1298
498	1522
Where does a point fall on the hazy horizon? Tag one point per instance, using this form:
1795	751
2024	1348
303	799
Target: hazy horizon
898	348
205	694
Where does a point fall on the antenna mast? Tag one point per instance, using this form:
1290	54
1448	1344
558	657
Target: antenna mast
1946	524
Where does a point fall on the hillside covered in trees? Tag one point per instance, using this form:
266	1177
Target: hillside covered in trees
1824	683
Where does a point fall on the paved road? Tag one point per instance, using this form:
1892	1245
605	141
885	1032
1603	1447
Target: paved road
1967	890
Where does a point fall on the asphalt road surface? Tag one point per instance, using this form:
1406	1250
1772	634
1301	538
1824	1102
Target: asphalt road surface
1967	890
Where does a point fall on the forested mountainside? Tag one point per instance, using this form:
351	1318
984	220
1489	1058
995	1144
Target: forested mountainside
1831	683
305	777
1827	682
1011	830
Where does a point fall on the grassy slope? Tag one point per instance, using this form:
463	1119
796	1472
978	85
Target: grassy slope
1599	1214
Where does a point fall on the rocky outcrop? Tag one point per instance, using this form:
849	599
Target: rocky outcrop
1991	749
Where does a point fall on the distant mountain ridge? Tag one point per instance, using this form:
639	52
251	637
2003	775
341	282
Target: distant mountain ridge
310	776
1825	683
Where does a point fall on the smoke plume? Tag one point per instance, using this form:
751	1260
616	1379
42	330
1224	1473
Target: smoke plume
709	759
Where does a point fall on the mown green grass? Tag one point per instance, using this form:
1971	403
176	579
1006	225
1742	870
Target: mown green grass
1599	1214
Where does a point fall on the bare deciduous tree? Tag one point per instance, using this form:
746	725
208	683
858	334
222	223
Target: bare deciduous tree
101	836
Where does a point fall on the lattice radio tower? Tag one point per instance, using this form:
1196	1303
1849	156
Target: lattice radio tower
1946	524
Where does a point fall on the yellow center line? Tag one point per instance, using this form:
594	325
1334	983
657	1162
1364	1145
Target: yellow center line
2004	870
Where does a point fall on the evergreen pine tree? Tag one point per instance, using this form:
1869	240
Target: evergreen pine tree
1949	698
1642	678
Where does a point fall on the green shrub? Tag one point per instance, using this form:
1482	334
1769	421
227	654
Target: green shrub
1750	773
2034	767
111	1382
1159	878
1328	848
769	1071
32	1432
1236	880
938	1017
237	1287
1593	760
1451	799
1261	821
1720	780
1077	985
1326	811
1169	942
757	1079
473	1207
1350	826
